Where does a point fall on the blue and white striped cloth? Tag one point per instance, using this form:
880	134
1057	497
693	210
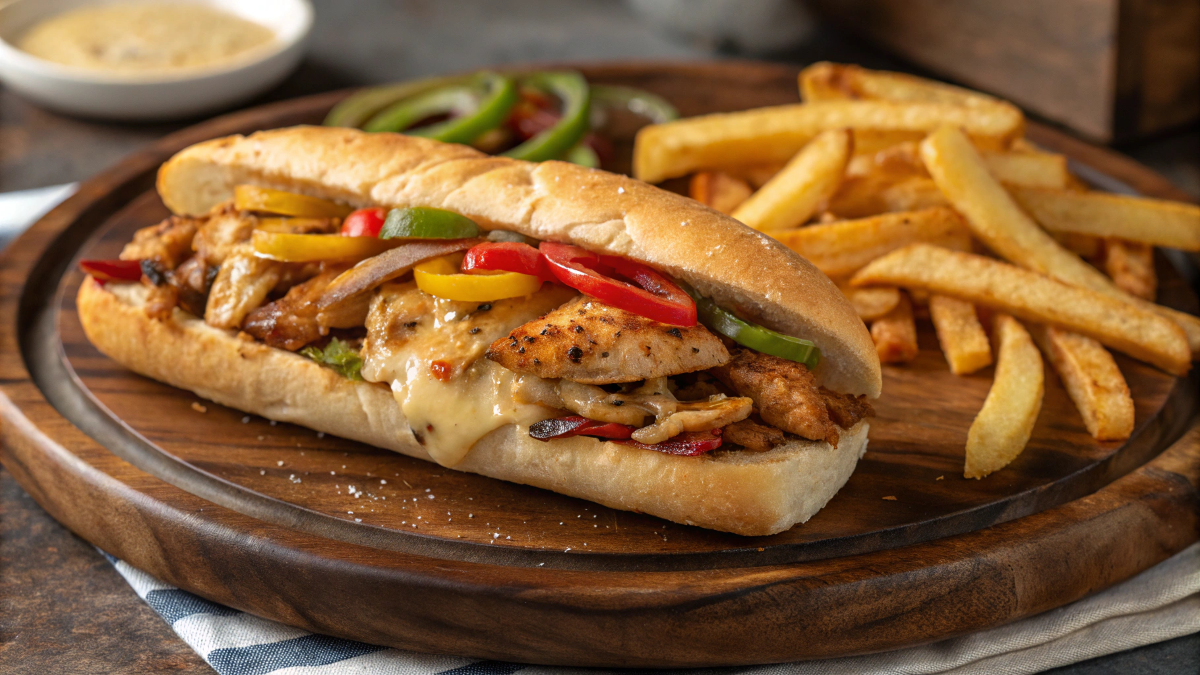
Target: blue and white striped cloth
1160	604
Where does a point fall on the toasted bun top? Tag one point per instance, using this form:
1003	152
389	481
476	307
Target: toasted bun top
736	266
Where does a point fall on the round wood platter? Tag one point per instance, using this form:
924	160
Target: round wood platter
339	538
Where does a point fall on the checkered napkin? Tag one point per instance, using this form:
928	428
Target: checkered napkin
1158	604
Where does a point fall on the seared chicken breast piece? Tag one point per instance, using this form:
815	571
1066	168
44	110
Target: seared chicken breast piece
242	284
405	323
590	342
168	243
295	320
786	395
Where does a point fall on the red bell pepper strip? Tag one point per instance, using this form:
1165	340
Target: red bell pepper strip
507	256
364	223
565	427
687	444
112	270
659	298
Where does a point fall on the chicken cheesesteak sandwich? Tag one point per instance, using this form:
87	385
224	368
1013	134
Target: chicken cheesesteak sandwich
546	324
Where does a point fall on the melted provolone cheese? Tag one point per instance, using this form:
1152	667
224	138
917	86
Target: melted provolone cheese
429	350
448	418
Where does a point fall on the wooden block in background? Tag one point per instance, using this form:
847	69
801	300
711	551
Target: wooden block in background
1109	69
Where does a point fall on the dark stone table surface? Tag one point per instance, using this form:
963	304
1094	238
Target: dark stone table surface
63	608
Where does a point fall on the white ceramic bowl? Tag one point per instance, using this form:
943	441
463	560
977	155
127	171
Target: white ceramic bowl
95	93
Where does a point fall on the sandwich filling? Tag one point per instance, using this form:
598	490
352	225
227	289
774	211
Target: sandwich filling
474	334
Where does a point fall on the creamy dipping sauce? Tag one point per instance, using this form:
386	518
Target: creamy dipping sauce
144	37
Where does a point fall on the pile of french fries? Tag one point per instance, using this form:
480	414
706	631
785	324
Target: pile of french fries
920	199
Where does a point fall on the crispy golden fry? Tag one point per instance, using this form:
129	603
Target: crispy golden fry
719	190
1028	169
874	302
826	81
1005	423
895	334
1083	245
1034	297
895	162
1149	221
960	334
756	175
809	179
997	220
870	195
776	134
1131	266
870	141
993	216
841	248
1092	379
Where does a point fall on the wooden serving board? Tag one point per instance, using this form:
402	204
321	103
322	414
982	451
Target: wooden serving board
357	542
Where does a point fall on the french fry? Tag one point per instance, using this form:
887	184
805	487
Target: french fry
1149	221
1028	169
841	248
1092	379
896	162
1131	267
895	334
776	134
794	194
1033	297
871	141
960	334
718	190
874	302
868	196
826	81
997	220
756	175
1083	245
1005	423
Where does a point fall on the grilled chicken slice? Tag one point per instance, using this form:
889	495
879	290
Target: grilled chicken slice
651	400
786	395
168	243
225	227
590	342
407	324
295	320
753	436
242	284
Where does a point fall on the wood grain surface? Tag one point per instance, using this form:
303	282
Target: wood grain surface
257	515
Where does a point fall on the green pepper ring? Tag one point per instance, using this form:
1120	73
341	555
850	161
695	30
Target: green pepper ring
754	336
475	117
356	110
572	89
421	222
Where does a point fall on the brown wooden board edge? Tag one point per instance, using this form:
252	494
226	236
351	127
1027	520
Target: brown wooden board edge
1148	515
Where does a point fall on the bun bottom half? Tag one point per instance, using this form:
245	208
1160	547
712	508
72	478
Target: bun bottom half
743	492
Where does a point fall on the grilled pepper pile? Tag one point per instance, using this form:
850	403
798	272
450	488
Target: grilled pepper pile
532	116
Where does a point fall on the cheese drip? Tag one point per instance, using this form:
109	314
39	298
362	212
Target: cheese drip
429	350
448	418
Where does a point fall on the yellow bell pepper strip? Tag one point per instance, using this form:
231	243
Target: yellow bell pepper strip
266	200
439	277
286	247
422	222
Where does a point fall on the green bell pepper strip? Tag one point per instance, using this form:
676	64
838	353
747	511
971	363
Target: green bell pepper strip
421	222
573	90
400	116
651	106
583	155
480	106
357	109
753	335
